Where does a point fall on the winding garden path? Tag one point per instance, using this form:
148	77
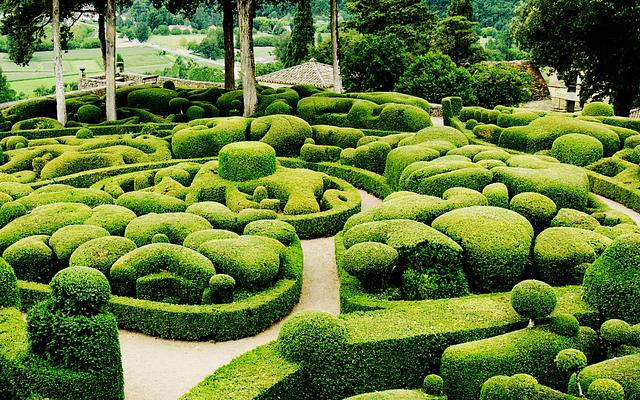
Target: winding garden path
161	369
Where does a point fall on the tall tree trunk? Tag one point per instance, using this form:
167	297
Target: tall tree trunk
102	36
229	48
61	108
247	59
623	98
337	81
110	64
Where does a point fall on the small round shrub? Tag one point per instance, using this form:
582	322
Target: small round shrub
281	231
160	238
89	114
32	259
101	253
196	239
470	124
84	133
279	107
67	239
615	332
9	293
309	335
179	104
598	109
497	195
564	324
605	389
533	299
244	161
570	360
169	85
612	283
80	290
10	211
195	112
376	270
537	208
220	290
433	385
577	149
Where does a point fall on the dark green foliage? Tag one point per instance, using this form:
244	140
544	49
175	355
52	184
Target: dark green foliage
463	8
455	37
253	261
434	76
220	290
37	123
577	149
302	35
433	384
179	104
375	272
285	133
80	291
169	85
279	107
494	261
612	283
451	107
598	109
89	114
155	100
537	208
101	253
84	133
32	259
465	367
335	136
244	161
500	84
623	370
533	299
9	294
45	107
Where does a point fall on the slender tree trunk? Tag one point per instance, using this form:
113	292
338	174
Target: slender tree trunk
110	64
229	48
61	107
248	62
102	36
337	81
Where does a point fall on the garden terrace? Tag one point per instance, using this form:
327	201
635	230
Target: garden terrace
187	221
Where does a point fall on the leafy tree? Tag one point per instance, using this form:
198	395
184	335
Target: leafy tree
500	84
439	6
201	19
434	76
455	37
6	93
302	35
410	21
597	39
501	47
212	46
142	31
496	13
373	63
462	8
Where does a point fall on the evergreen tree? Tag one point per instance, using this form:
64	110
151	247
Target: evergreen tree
454	36
6	93
462	8
302	35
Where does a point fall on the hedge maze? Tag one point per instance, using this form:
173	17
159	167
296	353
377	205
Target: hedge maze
490	270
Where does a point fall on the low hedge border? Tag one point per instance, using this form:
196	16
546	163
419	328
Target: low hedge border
613	190
388	348
219	322
96	129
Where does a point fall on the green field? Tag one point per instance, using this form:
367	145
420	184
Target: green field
174	42
39	72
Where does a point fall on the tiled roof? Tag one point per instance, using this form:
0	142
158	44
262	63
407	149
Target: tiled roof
310	73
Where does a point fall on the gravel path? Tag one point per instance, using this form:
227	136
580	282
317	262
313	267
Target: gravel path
619	207
160	369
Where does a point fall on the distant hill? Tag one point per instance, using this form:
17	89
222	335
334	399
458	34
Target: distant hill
496	13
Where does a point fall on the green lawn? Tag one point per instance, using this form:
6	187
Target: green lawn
174	42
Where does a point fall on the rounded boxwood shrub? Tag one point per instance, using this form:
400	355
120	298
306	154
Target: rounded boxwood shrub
375	272
176	226
433	385
9	293
372	156
279	107
253	261
160	238
218	215
598	109
570	360
533	299
310	336
497	195
32	259
564	324
285	133
245	161
577	149
195	112
66	240
605	389
281	231
142	203
196	239
84	133
615	332
179	104
496	244
568	217
155	100
537	208
101	253
80	290
89	114
401	157
612	283
220	290
111	217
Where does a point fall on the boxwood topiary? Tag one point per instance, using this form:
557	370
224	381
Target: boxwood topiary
89	114
598	109
571	218
246	161
80	290
143	203
564	324
336	136
612	283
533	299
375	272
401	157
195	112
497	195
577	149
196	239
176	226
101	253
67	239
155	100
220	290
9	293
285	133
32	259
281	231
615	332
605	389
537	208
218	215
623	370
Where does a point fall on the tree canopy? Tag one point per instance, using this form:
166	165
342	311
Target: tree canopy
596	39
302	35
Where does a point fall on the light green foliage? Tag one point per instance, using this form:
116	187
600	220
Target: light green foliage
195	239
605	389
205	138
335	136
564	324
435	177
285	133
397	394
612	283
253	261
67	239
317	153
374	273
9	293
519	118
598	109
80	290
400	158
533	299
537	208
437	133
569	217
372	156
177	226
189	268
496	244
577	149
281	231
33	123
101	253
615	332
32	259
623	370
497	195
246	161
218	215
142	203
